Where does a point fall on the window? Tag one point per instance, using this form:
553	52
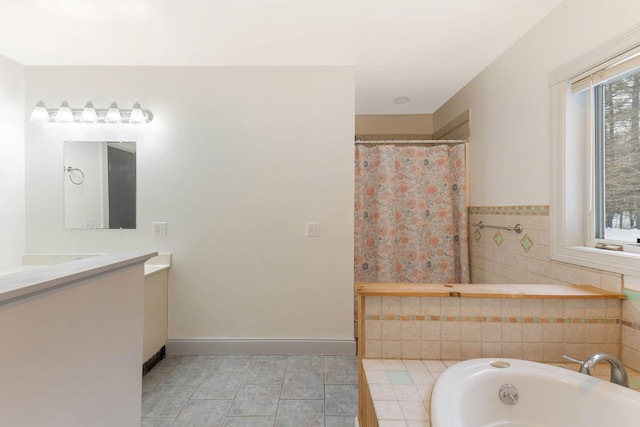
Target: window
596	157
617	158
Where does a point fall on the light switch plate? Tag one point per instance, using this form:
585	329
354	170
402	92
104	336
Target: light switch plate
313	229
159	228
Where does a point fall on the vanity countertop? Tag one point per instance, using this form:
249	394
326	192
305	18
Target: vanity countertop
32	280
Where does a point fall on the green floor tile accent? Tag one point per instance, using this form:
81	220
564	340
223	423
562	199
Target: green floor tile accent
399	378
634	382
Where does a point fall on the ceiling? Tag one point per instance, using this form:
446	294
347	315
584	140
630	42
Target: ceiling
426	50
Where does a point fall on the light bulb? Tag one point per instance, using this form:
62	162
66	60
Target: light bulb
113	114
89	114
40	113
64	114
137	116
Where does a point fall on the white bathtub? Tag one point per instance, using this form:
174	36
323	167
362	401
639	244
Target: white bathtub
467	395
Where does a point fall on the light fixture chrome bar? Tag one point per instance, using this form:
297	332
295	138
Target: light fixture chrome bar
101	113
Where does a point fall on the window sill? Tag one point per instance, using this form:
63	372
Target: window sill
620	262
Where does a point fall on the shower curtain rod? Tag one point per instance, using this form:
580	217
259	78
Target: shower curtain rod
413	141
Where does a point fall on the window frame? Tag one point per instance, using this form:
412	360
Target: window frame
571	238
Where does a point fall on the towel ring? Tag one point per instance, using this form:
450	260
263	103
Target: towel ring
77	180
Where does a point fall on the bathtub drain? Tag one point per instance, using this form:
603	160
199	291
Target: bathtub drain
508	394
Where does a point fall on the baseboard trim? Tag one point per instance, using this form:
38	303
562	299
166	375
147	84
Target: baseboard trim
260	346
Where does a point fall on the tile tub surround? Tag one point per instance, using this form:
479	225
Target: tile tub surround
533	328
399	391
248	390
498	256
631	329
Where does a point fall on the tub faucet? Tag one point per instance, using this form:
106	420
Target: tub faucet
618	373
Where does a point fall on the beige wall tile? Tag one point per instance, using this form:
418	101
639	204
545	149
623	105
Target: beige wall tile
552	333
574	308
614	308
491	332
511	332
391	349
533	351
631	357
595	333
532	308
372	305
613	333
491	349
470	350
391	305
451	350
430	330
373	349
430	306
511	307
631	311
470	331
411	330
411	306
574	333
491	307
553	352
595	307
450	331
532	333
391	330
411	349
512	350
450	307
552	307
431	350
373	329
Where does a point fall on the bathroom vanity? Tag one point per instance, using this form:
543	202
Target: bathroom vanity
72	342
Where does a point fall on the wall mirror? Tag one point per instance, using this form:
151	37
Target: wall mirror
99	179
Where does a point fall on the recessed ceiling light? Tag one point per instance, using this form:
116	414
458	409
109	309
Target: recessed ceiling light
401	100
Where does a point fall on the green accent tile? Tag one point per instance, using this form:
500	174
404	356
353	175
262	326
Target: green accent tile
399	378
632	295
526	243
477	235
634	382
498	238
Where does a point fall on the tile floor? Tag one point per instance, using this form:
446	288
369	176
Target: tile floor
251	391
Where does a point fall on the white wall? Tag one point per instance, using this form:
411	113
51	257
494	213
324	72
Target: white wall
236	161
509	101
12	161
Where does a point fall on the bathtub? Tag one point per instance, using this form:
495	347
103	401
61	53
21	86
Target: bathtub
468	395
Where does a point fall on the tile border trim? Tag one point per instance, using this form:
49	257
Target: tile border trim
504	319
532	210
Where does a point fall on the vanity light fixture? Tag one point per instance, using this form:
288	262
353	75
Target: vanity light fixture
136	115
40	113
90	114
64	114
113	114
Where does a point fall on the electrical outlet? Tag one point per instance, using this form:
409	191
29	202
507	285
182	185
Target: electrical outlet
313	229
159	228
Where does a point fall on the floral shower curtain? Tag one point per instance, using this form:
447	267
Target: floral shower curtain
411	214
